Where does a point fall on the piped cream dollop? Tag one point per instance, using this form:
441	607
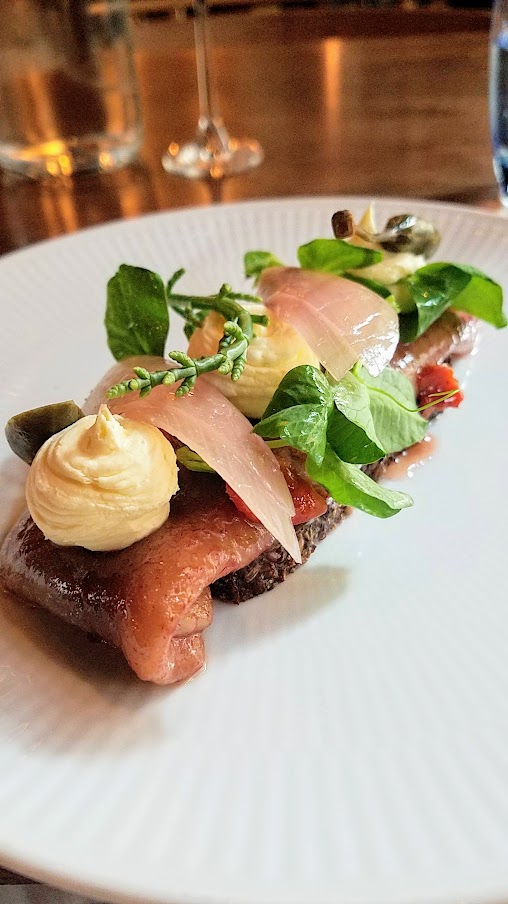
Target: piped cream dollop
275	350
102	483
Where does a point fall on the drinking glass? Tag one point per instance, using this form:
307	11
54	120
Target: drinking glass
68	93
214	153
498	90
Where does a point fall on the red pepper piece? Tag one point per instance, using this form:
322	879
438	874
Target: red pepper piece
434	379
307	501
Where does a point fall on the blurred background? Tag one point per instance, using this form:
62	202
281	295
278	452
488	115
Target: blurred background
375	98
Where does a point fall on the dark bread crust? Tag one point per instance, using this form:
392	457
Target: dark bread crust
273	566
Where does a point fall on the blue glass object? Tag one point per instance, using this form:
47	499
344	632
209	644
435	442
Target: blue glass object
499	95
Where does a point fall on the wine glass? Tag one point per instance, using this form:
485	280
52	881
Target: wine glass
213	154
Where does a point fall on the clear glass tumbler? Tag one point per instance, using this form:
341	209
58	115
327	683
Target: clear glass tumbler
499	95
68	93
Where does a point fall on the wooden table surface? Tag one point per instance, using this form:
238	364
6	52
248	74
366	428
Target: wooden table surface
390	114
374	102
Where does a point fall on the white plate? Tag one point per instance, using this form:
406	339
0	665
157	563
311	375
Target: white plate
348	741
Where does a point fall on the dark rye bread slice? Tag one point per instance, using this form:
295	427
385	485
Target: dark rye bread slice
273	566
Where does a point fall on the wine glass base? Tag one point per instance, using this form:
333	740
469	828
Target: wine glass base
194	161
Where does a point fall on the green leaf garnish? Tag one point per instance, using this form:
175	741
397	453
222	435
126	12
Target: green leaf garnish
374	416
192	461
362	418
303	427
298	412
348	485
352	431
137	317
301	386
397	421
254	262
326	255
336	256
357	420
481	297
433	289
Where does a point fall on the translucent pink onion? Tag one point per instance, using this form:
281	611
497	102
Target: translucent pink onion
342	321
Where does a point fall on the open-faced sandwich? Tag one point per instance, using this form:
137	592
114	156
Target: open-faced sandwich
216	471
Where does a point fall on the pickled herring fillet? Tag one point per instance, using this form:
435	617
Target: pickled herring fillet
452	336
143	598
354	322
198	617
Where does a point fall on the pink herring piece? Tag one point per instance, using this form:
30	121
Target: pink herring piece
361	324
211	425
120	371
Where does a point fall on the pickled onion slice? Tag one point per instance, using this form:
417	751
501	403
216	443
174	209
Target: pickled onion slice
341	320
210	424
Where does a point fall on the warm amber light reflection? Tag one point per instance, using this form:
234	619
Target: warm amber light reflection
134	189
36	103
106	160
53	148
59	208
65	164
113	100
332	53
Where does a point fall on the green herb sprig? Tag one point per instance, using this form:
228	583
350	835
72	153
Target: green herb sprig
194	308
230	358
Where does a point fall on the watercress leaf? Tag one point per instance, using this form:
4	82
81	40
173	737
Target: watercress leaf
348	485
335	256
351	429
438	286
350	442
303	427
303	385
429	298
255	262
390	382
392	405
298	411
374	416
137	317
481	297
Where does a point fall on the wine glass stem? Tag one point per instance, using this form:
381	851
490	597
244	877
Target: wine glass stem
212	133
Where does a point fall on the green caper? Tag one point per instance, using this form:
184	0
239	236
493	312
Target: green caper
28	431
409	233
